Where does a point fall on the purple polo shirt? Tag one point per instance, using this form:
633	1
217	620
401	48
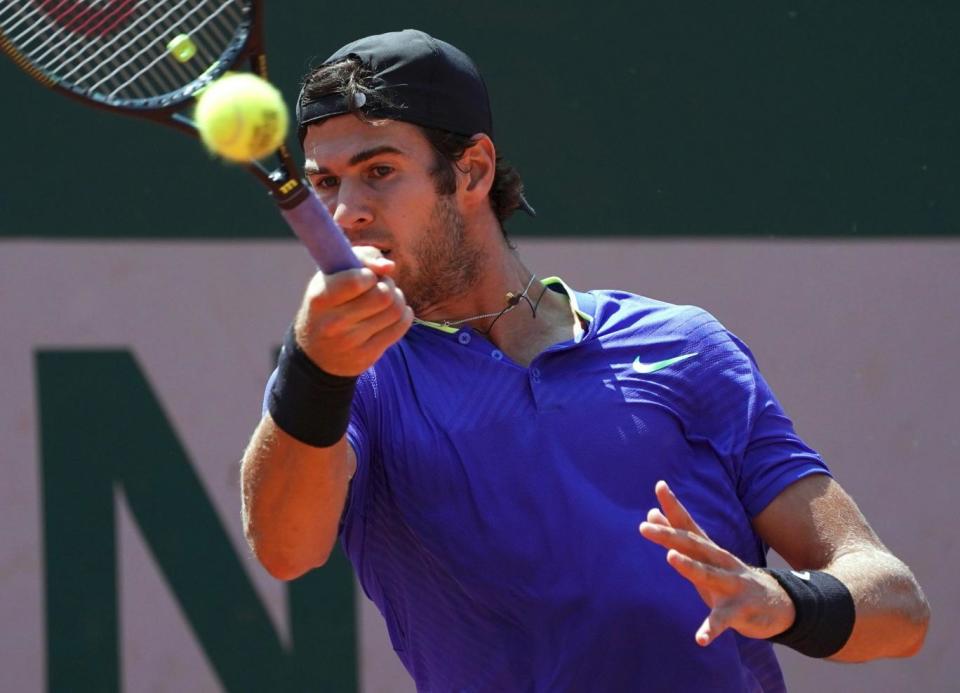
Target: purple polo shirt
493	516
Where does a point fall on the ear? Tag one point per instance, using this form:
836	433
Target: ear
478	165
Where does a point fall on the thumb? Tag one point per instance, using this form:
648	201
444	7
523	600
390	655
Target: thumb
713	626
373	259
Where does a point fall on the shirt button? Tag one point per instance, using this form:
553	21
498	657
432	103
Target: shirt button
535	372
497	354
463	337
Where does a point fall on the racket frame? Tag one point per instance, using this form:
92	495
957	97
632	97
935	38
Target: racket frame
169	109
299	205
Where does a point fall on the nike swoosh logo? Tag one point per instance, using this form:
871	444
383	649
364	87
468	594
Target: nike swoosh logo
641	367
805	575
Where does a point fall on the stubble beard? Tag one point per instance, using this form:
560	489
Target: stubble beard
448	263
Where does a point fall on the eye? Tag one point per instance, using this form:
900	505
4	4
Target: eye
381	171
325	182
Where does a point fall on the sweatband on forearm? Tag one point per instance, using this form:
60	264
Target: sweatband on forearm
305	401
825	612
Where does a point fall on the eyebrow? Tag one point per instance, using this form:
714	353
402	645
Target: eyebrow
358	158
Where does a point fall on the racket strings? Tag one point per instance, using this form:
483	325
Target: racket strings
162	56
79	45
135	48
72	49
117	50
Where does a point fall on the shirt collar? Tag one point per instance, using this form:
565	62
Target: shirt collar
553	283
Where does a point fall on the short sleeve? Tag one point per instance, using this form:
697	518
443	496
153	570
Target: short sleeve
732	408
774	456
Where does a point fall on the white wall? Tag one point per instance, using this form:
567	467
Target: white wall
859	340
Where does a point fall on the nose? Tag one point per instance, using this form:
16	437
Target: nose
351	209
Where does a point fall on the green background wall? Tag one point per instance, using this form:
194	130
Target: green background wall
671	119
666	118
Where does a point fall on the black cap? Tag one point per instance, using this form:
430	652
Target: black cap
426	81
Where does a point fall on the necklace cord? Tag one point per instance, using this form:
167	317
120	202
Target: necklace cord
513	300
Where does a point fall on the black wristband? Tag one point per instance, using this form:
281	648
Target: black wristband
310	404
825	612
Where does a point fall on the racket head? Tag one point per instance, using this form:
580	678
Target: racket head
120	54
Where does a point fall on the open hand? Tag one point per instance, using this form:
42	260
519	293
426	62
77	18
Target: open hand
740	597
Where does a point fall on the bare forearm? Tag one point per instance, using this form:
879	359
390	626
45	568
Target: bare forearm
815	525
293	496
891	611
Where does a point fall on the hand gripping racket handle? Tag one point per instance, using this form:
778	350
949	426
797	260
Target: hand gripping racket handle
317	230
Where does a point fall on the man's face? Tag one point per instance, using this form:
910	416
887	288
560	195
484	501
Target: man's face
375	179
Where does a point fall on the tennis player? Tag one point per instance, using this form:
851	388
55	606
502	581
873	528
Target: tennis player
542	489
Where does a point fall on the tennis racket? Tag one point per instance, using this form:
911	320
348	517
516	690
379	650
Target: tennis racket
118	55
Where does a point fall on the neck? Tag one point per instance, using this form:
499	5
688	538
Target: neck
521	331
502	272
511	301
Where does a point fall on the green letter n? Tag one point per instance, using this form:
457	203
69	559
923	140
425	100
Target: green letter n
103	429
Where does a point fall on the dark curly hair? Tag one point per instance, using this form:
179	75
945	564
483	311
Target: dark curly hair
350	78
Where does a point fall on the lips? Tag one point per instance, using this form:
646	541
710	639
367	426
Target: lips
385	251
374	238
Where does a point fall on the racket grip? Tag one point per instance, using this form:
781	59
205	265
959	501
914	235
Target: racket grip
317	230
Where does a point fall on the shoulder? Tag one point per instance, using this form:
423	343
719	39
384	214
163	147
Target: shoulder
697	328
708	364
616	306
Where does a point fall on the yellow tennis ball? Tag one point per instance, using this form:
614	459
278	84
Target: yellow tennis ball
241	117
182	48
